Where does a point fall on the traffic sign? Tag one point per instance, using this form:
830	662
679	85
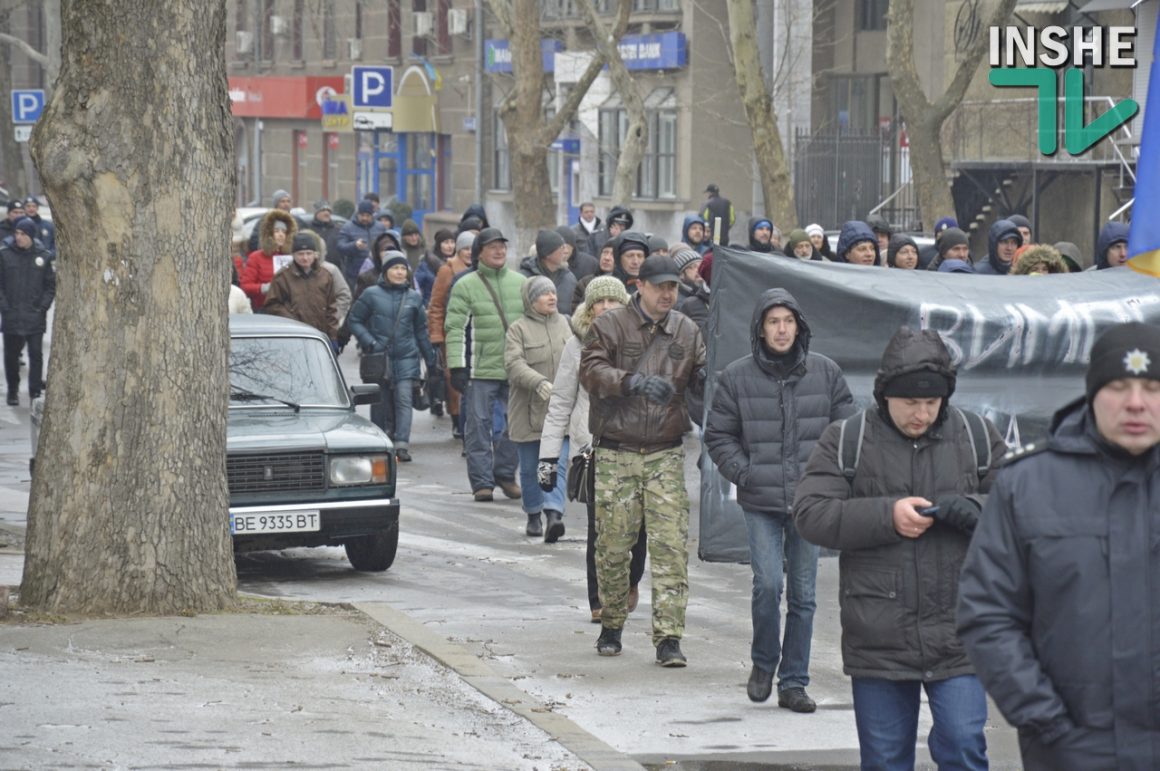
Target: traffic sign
373	87
372	121
23	133
27	104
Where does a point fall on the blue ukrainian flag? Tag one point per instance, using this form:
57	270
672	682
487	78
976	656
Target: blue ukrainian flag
1144	238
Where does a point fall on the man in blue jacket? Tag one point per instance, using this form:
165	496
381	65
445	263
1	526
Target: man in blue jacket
1059	599
768	412
355	240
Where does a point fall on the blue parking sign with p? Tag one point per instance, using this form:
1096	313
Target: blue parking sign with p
372	87
27	104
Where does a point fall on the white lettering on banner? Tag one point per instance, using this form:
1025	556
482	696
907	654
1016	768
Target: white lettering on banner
1023	334
501	55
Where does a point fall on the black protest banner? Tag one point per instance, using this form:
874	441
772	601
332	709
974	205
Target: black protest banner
1020	343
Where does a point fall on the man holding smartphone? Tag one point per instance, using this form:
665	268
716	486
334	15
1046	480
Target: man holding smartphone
865	488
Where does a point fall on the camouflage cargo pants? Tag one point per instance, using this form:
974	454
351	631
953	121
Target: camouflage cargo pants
630	488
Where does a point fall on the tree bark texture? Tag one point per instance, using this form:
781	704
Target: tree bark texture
522	111
129	504
924	117
776	186
636	140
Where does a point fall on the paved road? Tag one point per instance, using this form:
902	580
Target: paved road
466	573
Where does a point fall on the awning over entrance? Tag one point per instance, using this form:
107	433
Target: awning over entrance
416	107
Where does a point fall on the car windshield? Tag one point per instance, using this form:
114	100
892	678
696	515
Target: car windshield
299	370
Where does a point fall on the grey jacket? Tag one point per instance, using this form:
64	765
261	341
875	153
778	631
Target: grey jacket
897	595
1059	602
768	413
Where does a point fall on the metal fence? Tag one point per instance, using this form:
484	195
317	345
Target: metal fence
838	177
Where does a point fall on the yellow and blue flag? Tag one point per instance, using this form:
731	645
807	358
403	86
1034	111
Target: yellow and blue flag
1144	238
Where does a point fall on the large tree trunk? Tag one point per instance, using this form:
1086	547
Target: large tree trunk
776	185
129	504
925	117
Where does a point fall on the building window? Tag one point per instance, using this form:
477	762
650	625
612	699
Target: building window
653	6
264	30
656	177
329	32
872	15
442	33
559	9
358	30
394	30
502	166
297	25
418	42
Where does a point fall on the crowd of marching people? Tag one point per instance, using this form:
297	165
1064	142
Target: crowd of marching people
573	374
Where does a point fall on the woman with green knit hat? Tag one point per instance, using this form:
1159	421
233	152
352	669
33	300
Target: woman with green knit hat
567	423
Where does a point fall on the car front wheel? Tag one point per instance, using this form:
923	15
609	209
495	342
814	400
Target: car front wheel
373	553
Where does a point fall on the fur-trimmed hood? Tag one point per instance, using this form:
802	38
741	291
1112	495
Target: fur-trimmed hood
266	230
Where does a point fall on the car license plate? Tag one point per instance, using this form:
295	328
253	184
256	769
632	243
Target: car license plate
275	522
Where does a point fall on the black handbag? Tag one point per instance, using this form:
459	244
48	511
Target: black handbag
419	400
372	367
581	476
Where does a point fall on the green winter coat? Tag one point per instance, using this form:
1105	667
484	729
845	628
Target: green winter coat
474	333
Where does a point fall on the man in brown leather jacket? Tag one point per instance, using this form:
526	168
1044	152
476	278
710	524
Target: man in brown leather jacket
638	364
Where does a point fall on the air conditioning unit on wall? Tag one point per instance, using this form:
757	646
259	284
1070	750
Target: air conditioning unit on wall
278	25
422	24
243	42
457	21
354	48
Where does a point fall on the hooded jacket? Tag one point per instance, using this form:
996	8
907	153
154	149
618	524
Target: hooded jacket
343	297
617	347
476	210
259	268
897	595
417	253
391	318
474	332
306	295
991	264
853	232
429	267
533	346
348	238
372	268
695	219
1111	233
600	237
754	245
1058	599
693	301
563	279
896	243
769	411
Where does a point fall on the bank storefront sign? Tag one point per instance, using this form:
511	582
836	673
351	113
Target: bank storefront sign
659	51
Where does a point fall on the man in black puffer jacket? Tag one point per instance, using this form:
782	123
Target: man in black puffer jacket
899	567
768	412
1058	603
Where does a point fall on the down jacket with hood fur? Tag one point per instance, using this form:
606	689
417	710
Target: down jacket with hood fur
259	267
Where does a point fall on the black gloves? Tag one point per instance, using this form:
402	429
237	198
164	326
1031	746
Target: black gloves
958	511
546	473
459	379
657	389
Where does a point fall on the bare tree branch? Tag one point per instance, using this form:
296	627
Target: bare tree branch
503	13
24	48
965	72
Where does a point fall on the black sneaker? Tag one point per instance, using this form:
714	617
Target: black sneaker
608	643
795	699
760	684
669	653
436	409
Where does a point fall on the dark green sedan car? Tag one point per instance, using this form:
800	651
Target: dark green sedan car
304	468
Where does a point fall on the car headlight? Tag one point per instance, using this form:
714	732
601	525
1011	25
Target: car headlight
359	470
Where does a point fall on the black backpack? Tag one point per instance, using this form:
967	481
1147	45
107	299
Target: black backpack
850	452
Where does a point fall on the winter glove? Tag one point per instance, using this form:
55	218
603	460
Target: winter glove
544	389
546	473
958	511
657	389
459	379
265	287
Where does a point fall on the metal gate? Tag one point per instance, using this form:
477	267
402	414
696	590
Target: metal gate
837	177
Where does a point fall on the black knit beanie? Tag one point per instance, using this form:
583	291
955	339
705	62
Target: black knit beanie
1125	350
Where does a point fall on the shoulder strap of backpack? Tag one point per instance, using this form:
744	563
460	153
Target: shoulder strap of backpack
850	449
980	444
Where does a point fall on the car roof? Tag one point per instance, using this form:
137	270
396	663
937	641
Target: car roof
259	324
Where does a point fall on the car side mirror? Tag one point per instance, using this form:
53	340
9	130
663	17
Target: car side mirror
366	393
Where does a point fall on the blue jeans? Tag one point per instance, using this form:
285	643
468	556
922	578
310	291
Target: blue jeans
393	412
886	712
491	455
773	540
536	500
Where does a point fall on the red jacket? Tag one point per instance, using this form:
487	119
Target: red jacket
259	270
